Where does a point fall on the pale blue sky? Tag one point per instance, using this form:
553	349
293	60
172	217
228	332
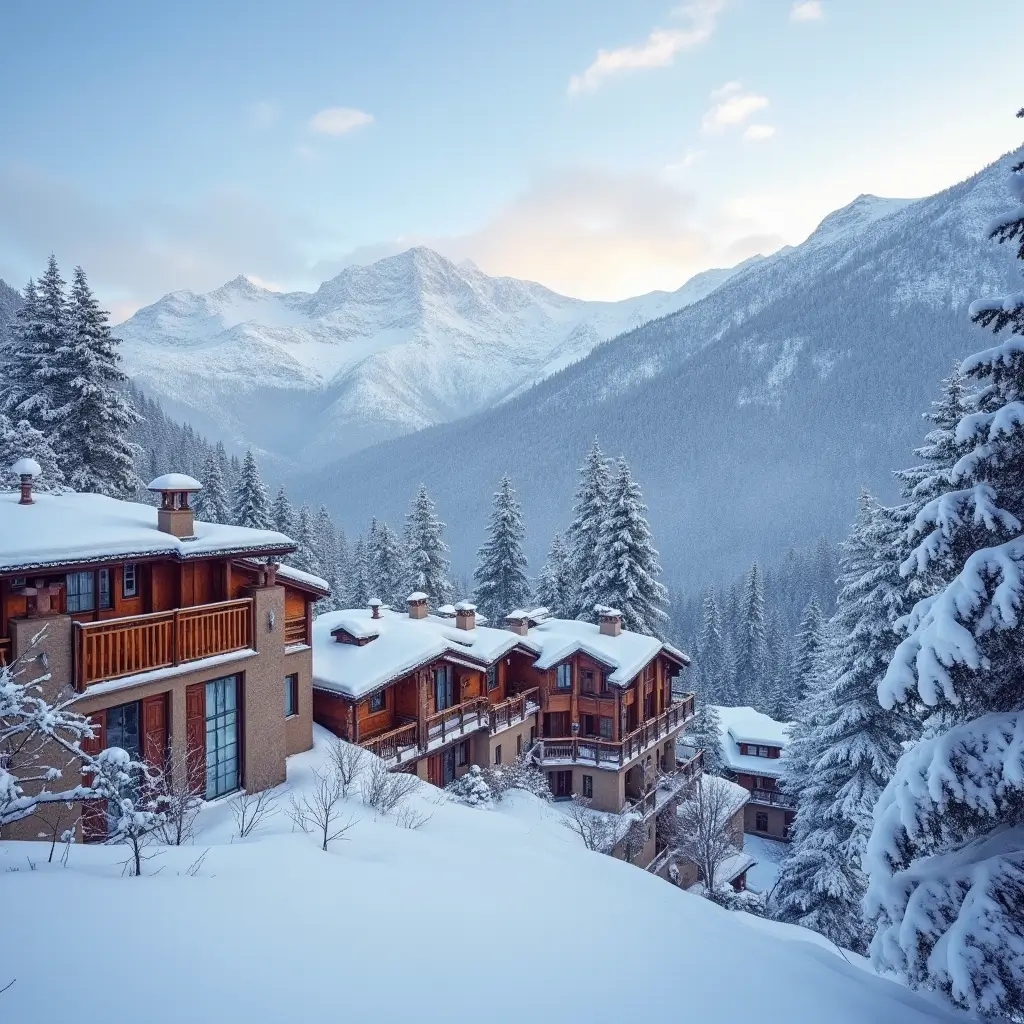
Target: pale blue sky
177	145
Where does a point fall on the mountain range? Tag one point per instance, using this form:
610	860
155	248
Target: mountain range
750	417
378	351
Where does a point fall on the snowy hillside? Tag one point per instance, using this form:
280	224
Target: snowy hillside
751	418
382	927
375	352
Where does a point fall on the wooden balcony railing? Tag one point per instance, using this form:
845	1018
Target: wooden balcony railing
295	630
391	746
773	797
454	720
515	709
610	752
669	785
140	643
5	650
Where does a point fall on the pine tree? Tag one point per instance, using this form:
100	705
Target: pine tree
325	545
946	858
340	596
854	745
711	652
553	584
751	640
626	576
17	354
359	593
22	440
373	556
426	552
250	507
705	731
583	537
282	515
304	557
95	417
806	649
391	569
211	503
501	583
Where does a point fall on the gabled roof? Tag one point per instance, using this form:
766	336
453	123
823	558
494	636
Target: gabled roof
745	725
76	529
297	577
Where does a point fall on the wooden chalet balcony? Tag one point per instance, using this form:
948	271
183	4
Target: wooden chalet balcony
610	753
395	744
514	710
5	650
470	714
773	798
670	784
116	648
295	630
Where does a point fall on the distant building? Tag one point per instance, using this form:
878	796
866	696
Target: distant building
751	745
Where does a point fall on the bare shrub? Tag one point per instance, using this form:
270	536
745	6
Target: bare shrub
317	811
250	810
384	791
349	763
181	796
593	827
411	818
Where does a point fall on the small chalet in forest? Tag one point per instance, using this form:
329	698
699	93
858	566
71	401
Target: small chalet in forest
171	634
433	694
752	745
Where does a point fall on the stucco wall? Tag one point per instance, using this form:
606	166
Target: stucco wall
298	730
776	821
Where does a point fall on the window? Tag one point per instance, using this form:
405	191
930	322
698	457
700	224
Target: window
444	691
606	724
104	581
761	821
378	702
565	676
492	677
129	580
762	751
588	786
561	784
587	725
80	591
605	685
533	735
519	744
497	754
18	582
587	681
291	695
221	736
462	754
123	728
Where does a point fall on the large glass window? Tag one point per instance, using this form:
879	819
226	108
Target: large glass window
103	578
444	695
221	736
492	677
129	580
81	596
606	727
123	728
565	676
291	695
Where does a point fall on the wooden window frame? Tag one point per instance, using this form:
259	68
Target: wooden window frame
380	698
462	754
78	576
291	695
588	787
760	816
497	754
104	594
492	678
567	666
130	570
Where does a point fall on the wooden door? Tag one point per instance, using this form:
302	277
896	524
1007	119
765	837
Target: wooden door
556	724
154	730
435	770
195	734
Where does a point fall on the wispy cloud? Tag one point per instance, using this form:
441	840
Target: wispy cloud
806	10
759	132
657	51
339	120
731	106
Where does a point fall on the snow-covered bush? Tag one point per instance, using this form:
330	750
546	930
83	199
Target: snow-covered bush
471	789
386	791
520	774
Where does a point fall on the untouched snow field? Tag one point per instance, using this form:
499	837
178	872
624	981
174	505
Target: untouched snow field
485	915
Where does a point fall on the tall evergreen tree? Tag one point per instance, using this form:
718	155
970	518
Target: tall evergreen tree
711	652
554	590
751	647
359	591
211	503
95	417
946	857
626	576
390	568
22	440
426	552
341	596
705	730
501	583
282	515
583	537
854	745
305	556
325	544
806	649
251	507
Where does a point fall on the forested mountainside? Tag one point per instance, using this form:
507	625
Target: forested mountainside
750	418
378	351
10	300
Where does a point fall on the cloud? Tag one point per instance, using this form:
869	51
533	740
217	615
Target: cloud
758	132
808	10
263	113
657	51
731	106
339	120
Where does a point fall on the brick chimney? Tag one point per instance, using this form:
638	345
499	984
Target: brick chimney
175	515
465	615
609	620
417	605
518	622
374	608
26	470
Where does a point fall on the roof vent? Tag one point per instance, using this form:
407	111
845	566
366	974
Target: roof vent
26	470
609	620
175	515
465	615
417	605
374	608
519	622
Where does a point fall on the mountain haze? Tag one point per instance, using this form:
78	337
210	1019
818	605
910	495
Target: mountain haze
751	417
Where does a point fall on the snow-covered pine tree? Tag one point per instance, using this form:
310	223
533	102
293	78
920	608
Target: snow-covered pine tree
95	418
250	507
342	572
391	569
806	648
500	579
626	576
359	589
583	538
945	861
304	557
373	556
17	356
212	504
426	552
282	515
854	744
22	440
711	653
325	544
751	647
705	730
553	585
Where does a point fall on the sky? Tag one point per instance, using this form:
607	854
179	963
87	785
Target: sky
605	148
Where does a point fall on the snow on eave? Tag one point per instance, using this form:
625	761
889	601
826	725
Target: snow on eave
302	580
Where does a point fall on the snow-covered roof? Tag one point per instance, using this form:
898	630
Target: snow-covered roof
72	528
745	725
26	467
737	795
625	654
174	482
400	644
289	572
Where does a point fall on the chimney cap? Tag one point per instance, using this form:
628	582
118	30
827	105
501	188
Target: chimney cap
374	602
26	467
606	612
416	597
174	482
465	606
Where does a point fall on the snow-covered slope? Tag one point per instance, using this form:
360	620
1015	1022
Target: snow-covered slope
498	915
377	351
752	417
